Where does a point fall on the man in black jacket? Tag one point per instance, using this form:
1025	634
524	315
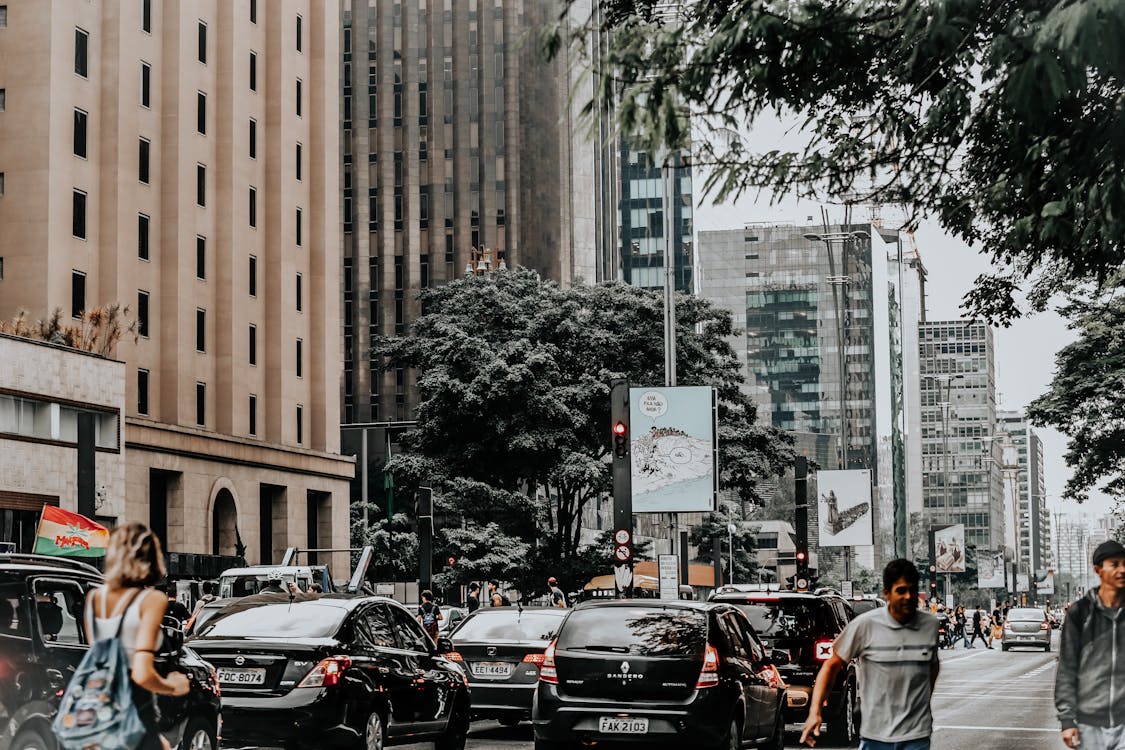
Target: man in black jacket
1091	711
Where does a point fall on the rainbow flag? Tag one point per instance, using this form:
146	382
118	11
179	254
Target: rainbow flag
67	534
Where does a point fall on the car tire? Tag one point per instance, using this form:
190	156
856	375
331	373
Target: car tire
732	739
374	732
1003	646
458	730
30	739
509	721
844	729
199	735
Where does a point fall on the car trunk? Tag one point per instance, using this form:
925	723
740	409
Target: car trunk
627	677
500	662
1026	627
262	667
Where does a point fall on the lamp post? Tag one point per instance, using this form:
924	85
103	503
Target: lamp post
482	261
730	552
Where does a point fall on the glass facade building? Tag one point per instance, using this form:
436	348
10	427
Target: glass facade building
641	218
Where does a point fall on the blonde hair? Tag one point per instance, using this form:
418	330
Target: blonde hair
134	558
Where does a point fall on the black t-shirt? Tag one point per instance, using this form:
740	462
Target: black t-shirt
976	620
177	609
472	603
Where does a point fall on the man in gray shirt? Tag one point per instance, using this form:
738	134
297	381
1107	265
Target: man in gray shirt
896	650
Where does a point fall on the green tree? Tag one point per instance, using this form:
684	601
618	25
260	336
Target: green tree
1086	398
513	417
1002	118
715	526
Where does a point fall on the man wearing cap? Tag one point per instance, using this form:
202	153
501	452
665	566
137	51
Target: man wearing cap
1090	680
558	598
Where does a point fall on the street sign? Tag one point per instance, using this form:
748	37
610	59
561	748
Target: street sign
823	650
847	589
622	536
623	553
669	567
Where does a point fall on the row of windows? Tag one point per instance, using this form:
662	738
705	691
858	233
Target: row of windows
46	420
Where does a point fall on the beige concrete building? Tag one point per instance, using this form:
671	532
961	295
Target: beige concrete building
181	158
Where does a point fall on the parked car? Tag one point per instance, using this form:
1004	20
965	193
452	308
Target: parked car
1026	627
650	671
333	670
42	642
805	626
451	617
501	650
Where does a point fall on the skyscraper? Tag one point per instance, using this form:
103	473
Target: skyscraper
1025	472
168	156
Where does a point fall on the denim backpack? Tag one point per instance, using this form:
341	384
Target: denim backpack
97	709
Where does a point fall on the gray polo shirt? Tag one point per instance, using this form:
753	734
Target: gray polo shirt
894	673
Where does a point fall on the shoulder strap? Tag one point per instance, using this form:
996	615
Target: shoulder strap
121	622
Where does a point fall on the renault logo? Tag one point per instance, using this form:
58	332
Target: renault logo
240	660
491	651
624	667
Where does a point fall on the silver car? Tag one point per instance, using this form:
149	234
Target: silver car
1027	626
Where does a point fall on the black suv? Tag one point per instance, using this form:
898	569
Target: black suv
42	641
336	670
645	671
805	625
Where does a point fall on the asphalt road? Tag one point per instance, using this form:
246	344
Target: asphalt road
984	699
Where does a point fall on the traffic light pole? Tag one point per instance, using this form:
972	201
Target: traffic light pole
801	521
622	489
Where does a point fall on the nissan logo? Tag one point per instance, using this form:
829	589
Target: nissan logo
491	651
240	660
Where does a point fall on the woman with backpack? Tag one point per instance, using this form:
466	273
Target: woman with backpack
130	606
429	614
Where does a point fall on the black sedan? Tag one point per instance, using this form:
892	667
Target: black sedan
501	649
332	671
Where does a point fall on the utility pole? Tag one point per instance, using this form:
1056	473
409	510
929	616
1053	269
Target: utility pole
801	522
622	489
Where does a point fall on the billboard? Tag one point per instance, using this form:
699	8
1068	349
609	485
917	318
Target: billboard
990	570
674	449
1021	582
1045	581
845	507
949	549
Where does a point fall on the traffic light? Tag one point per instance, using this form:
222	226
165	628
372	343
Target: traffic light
620	439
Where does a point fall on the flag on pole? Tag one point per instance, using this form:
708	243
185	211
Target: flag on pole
62	533
389	483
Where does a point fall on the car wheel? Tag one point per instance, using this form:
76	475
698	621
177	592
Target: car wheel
199	735
375	733
29	739
458	729
1003	646
844	730
732	740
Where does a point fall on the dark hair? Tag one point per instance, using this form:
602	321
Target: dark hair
474	586
897	570
493	582
427	595
211	587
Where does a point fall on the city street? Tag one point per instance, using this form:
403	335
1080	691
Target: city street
1001	699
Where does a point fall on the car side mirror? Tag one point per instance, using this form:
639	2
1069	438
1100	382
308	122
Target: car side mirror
779	656
444	645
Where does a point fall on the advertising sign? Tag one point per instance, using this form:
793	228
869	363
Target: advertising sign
949	549
669	567
1021	582
1045	581
845	507
673	449
990	569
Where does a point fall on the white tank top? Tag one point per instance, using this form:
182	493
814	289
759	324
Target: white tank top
106	627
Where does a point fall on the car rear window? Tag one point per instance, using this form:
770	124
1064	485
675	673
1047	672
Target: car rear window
863	605
279	621
509	625
779	618
1027	615
646	631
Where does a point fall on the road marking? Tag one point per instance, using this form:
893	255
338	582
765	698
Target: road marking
996	729
962	657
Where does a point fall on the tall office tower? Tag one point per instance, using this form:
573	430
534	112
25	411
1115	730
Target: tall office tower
461	148
170	156
798	293
961	469
1025	473
642	222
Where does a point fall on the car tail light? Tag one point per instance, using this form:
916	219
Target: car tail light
454	656
547	671
709	675
772	677
327	673
822	650
534	658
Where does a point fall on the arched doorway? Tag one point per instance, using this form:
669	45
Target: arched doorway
224	524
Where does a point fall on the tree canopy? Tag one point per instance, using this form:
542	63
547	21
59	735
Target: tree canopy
1001	118
513	417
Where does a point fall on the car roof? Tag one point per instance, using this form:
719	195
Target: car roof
260	569
742	596
46	564
494	611
686	604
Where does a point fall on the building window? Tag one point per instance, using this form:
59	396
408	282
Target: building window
201	404
146	16
3	16
80	119
253	138
77	293
253	207
200	330
299	20
201	112
81	52
253	11
299	301
300	424
200	257
298	227
142	313
142	160
300	349
298	161
202	42
252	408
3	100
142	391
253	71
1	183
142	236
253	276
200	185
146	85
78	215
252	344
298	97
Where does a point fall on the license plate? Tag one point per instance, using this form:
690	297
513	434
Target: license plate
491	669
255	676
622	725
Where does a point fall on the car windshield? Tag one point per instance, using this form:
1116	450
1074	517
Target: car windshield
864	605
649	631
276	621
510	625
1027	615
786	619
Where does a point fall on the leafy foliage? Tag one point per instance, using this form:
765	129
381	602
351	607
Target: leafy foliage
715	526
1002	118
97	331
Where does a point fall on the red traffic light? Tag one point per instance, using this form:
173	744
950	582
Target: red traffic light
452	561
620	428
802	556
